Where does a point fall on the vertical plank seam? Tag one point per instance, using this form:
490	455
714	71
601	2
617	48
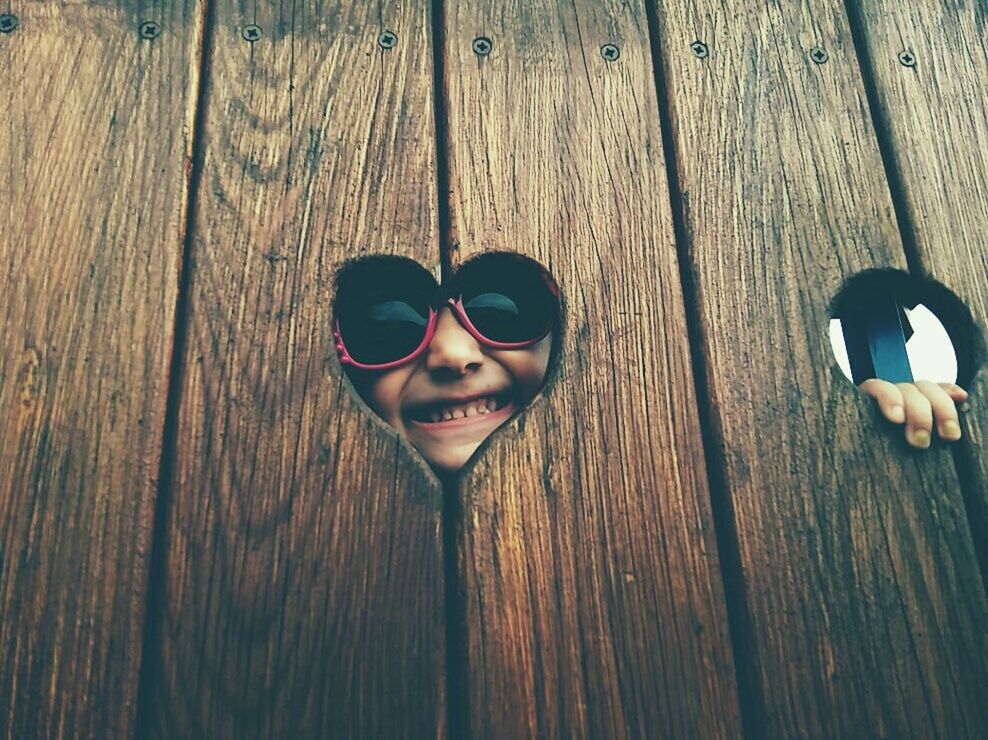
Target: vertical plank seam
457	674
742	634
962	450
156	586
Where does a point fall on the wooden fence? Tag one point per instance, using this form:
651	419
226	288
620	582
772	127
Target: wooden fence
698	529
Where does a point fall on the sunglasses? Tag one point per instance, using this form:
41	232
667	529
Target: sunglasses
387	308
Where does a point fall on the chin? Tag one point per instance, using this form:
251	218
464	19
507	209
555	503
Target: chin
449	462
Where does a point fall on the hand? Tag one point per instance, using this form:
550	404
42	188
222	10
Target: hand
917	404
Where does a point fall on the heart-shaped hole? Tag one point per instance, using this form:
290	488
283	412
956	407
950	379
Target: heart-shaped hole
446	365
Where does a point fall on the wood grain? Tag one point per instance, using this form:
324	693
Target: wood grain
933	117
593	601
95	139
304	575
867	615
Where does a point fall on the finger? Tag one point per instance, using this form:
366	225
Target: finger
888	396
954	391
944	410
919	416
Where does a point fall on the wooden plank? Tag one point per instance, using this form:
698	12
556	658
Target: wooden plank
593	601
95	139
932	115
304	581
862	592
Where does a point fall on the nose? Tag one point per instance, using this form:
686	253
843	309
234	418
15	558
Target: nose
452	349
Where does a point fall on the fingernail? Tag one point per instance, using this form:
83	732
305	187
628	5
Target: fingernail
920	438
951	430
898	414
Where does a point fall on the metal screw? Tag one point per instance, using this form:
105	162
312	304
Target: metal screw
482	45
150	30
252	33
907	59
700	50
387	40
610	52
818	55
8	23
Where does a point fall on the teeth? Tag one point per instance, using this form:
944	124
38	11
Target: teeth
472	408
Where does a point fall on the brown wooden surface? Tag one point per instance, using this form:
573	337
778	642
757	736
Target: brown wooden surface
304	583
866	613
594	606
933	117
297	585
95	138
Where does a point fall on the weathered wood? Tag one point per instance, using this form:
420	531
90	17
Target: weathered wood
304	553
593	601
932	115
867	614
95	137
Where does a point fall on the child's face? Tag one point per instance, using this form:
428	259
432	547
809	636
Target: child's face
455	366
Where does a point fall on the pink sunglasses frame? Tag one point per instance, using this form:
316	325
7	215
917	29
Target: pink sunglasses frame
430	331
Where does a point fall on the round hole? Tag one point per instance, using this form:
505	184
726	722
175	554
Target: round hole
929	349
889	324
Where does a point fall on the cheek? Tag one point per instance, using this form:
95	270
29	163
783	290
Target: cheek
383	394
528	366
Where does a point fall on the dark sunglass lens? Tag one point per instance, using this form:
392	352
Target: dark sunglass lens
383	311
508	301
504	318
383	332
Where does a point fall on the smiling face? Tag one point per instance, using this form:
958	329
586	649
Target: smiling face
456	393
446	366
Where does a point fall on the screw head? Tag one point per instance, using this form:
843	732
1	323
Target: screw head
482	46
251	33
699	49
8	23
610	52
907	59
818	55
150	30
387	40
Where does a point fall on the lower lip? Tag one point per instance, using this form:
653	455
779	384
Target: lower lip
464	421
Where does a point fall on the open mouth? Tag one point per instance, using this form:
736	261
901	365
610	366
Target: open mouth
477	409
